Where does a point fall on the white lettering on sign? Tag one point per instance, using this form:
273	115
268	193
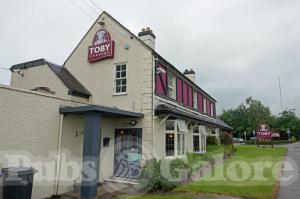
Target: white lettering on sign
102	48
99	49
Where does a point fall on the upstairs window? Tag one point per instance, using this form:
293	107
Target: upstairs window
171	86
121	79
212	109
195	98
204	105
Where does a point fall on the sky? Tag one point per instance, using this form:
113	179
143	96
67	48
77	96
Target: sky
238	48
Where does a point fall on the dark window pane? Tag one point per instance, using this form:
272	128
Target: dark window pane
118	75
118	82
118	68
118	89
123	88
170	144
123	74
124	81
124	67
196	130
196	143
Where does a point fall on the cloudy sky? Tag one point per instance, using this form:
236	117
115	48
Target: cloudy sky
238	48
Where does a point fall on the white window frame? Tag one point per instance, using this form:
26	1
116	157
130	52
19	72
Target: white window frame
120	78
172	86
212	109
202	139
195	98
180	130
204	105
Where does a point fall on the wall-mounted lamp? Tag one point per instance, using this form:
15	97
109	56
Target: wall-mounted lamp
101	23
106	141
78	133
133	122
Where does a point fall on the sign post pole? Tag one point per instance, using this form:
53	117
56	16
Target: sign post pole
264	133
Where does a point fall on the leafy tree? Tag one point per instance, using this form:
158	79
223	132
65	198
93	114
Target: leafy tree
247	116
287	120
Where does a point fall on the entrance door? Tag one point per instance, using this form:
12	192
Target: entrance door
128	153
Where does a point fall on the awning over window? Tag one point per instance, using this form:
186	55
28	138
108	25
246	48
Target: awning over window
104	110
179	113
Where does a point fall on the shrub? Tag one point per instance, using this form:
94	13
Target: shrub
212	140
152	179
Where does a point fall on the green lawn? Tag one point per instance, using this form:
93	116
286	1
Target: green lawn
251	172
160	197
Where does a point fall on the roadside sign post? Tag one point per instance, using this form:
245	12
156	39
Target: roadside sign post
264	133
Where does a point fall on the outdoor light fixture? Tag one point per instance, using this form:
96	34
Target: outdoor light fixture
78	133
133	122
101	23
106	141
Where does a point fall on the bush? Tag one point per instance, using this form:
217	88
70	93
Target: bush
152	179
226	139
212	140
176	166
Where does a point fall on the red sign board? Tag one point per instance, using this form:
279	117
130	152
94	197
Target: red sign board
263	132
103	47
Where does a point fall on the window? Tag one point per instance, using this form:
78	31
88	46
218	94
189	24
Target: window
170	125
175	137
121	79
171	86
204	105
195	98
212	109
181	126
199	139
170	144
180	144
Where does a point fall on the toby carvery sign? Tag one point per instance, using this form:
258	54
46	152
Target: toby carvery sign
103	47
263	132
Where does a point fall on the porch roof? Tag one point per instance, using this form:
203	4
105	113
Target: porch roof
173	111
105	111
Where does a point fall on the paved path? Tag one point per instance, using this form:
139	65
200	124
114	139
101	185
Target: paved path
291	190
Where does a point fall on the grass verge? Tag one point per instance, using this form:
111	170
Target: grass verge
252	173
161	197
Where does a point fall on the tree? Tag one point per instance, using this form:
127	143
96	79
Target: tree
247	116
287	120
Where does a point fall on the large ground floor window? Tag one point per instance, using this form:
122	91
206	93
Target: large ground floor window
170	144
199	139
175	131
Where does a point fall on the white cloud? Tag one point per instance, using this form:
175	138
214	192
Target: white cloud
238	48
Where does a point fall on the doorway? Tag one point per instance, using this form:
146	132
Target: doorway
128	153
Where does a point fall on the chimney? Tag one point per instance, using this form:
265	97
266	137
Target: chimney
147	36
190	74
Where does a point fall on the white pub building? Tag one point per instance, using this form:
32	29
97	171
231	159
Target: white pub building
115	102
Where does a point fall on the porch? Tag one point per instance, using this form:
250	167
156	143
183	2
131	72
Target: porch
110	137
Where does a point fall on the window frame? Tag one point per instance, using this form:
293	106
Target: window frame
172	87
179	150
204	105
202	139
195	100
120	78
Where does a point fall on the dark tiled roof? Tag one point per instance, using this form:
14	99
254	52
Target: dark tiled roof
74	86
180	113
